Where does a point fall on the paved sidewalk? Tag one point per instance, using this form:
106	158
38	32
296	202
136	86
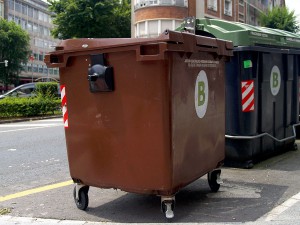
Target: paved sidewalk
285	214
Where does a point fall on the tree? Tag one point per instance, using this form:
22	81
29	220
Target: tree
280	18
15	48
90	18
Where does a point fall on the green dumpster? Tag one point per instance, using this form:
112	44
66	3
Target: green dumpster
262	89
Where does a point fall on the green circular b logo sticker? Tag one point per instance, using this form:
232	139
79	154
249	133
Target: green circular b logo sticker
275	80
201	94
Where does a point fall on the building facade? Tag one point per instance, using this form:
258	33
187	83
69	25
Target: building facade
152	17
1	8
34	17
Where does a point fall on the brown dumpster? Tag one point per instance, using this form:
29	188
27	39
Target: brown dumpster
143	115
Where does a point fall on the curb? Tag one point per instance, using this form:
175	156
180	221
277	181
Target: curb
24	119
12	220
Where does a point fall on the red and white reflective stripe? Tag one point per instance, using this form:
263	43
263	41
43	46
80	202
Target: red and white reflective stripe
64	105
247	95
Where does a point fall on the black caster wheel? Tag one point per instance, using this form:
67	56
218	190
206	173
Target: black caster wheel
213	179
295	147
83	199
167	207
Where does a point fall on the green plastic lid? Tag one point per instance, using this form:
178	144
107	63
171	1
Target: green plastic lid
242	34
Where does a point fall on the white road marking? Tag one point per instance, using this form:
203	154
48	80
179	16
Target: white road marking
274	213
29	125
31	128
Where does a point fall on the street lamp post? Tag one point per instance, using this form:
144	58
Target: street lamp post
5	63
31	58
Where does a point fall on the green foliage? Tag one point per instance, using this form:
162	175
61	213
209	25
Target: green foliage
47	89
91	18
280	18
24	107
14	47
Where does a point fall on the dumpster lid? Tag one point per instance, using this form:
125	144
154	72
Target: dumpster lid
242	34
170	40
83	44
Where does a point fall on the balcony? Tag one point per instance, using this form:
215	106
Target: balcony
257	5
149	3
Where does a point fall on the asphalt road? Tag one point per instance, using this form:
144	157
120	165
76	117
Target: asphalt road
33	155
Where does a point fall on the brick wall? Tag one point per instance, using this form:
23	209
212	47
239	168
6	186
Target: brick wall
160	12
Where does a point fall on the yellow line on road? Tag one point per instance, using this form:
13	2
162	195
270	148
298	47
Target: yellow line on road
35	190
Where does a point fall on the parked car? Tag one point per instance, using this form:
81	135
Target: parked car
24	91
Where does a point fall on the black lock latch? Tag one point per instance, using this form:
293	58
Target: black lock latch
100	76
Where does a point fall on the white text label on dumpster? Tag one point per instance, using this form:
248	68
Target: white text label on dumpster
275	80
201	94
192	63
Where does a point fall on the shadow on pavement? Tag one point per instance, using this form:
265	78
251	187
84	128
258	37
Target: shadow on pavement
235	202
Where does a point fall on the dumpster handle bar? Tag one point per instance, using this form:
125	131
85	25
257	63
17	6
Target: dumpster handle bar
264	134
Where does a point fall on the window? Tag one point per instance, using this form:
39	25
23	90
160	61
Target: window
41	30
24	24
35	68
166	25
228	8
146	3
29	26
29	69
11	5
153	28
46	17
41	16
10	17
212	5
35	28
166	2
30	12
1	9
46	31
24	9
56	71
18	7
153	2
178	23
142	29
40	69
179	2
46	44
45	69
35	14
41	57
36	55
38	43
18	20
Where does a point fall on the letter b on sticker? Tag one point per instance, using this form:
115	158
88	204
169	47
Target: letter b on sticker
201	94
275	80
